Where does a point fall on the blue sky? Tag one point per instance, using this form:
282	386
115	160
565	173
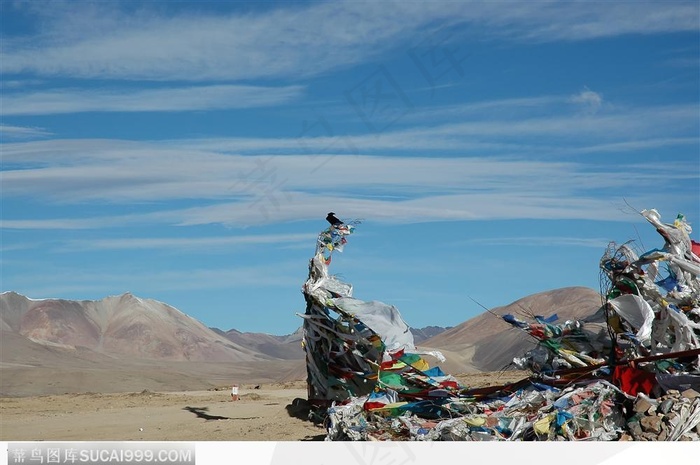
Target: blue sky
189	152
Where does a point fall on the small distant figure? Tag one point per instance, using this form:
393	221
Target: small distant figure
257	386
333	220
234	392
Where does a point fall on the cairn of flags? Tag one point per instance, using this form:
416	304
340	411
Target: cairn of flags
367	380
352	346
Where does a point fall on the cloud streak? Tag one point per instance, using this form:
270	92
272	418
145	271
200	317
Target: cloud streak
49	284
591	101
176	243
22	132
494	205
539	241
168	176
217	97
105	42
480	129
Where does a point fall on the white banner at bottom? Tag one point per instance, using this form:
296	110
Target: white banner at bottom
338	453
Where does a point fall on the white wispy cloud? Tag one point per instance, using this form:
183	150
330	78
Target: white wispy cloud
22	132
279	208
539	241
563	20
684	62
301	40
66	223
591	101
491	109
475	133
189	243
643	144
178	175
214	45
48	284
433	208
213	97
509	126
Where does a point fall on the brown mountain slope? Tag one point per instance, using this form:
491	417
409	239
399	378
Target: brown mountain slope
489	343
118	326
29	368
282	347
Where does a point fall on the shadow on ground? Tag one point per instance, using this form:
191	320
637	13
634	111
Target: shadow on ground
201	412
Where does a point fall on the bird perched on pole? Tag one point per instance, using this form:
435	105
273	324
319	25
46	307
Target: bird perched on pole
333	220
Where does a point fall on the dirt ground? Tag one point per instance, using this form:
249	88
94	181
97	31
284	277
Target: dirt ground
261	414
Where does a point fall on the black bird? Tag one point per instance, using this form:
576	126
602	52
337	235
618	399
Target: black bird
333	220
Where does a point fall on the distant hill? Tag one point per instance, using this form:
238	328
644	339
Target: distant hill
288	347
489	343
283	347
422	334
117	326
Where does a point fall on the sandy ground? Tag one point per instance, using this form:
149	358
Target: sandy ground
259	414
198	415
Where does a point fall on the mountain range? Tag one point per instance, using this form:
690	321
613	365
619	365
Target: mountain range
125	331
122	326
